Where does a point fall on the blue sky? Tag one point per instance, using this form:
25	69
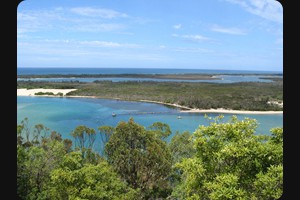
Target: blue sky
201	34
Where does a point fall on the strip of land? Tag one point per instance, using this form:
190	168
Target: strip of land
154	76
33	92
219	110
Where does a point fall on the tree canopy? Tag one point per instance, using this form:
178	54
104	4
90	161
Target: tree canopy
223	160
140	157
232	162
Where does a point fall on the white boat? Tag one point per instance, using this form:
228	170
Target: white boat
114	114
178	117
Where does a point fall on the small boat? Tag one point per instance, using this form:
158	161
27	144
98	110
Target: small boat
114	114
178	117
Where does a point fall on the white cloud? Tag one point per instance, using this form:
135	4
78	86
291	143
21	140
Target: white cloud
71	46
232	30
197	38
29	21
98	12
96	27
194	38
267	9
100	43
25	16
108	44
177	26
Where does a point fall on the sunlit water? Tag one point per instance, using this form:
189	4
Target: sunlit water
64	114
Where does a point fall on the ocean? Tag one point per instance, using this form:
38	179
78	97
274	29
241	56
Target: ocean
225	76
36	71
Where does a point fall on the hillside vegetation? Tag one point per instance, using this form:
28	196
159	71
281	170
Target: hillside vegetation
224	160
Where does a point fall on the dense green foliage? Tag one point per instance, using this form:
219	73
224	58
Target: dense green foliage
76	180
46	169
44	93
231	162
141	158
237	96
181	146
224	160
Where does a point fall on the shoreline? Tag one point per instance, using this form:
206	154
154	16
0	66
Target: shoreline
31	92
221	110
151	76
218	110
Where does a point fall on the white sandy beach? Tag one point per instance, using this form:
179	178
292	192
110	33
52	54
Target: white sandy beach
221	110
169	104
31	92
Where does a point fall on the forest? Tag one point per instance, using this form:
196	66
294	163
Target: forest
223	160
253	96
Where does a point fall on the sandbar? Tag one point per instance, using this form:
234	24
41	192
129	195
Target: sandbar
31	92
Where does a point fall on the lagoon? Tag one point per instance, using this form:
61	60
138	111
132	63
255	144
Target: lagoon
64	114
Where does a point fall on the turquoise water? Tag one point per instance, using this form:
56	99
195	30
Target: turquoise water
64	114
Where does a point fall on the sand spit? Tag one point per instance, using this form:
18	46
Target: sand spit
31	92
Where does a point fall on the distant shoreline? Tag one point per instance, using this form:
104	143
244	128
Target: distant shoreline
31	92
153	76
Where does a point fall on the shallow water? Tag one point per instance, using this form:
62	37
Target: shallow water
64	114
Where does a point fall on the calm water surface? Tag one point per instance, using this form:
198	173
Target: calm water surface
64	114
36	71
